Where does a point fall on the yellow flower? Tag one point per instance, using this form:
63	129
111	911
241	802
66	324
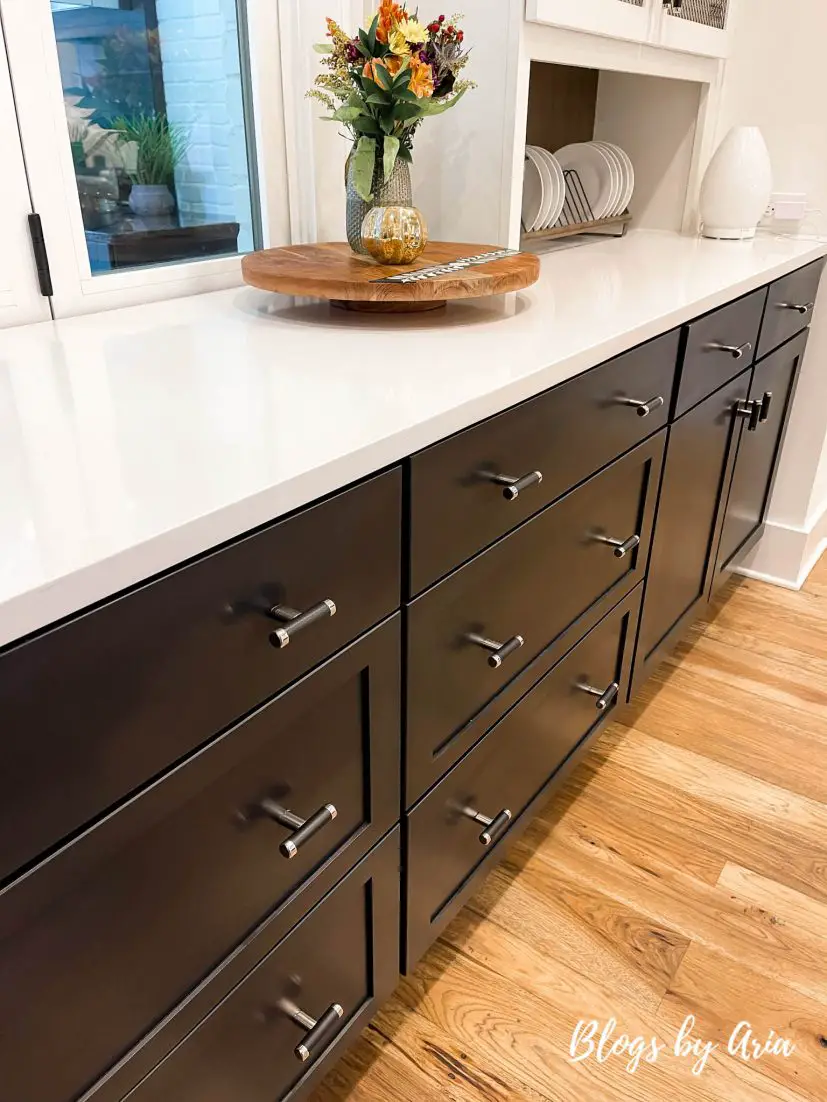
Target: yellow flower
398	43
412	31
422	79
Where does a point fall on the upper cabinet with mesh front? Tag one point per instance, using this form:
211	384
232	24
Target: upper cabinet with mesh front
690	26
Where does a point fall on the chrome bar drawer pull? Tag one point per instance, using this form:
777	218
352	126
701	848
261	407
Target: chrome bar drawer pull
605	697
735	350
621	547
513	487
643	409
499	651
799	307
319	1033
751	410
303	829
766	402
493	827
296	621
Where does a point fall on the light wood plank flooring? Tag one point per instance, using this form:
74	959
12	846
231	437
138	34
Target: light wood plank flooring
682	871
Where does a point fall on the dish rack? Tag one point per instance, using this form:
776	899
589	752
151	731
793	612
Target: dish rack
577	216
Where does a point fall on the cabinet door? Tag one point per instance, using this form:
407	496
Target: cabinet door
20	298
627	19
697	471
697	26
772	389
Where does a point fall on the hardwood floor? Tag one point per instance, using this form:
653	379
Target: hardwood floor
683	871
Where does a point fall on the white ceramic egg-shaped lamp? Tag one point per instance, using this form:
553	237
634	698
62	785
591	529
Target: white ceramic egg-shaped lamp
737	186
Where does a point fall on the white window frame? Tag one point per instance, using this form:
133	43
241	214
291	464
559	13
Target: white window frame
20	297
33	59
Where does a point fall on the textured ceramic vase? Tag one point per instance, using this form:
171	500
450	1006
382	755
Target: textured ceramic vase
395	191
394	235
737	185
151	199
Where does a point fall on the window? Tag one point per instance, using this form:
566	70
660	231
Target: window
140	122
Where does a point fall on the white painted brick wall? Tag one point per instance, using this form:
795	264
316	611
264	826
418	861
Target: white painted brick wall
202	83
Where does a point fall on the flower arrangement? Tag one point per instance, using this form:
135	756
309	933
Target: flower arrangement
382	83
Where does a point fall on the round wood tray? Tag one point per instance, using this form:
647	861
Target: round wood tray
331	270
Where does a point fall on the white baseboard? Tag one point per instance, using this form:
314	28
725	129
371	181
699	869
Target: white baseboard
786	554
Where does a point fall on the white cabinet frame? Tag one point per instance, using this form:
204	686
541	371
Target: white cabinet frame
610	18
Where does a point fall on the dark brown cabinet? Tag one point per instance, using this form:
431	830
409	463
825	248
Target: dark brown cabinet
588	549
454	828
770	396
336	967
95	708
159	892
695	475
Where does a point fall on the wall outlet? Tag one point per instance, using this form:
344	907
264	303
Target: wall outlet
787	206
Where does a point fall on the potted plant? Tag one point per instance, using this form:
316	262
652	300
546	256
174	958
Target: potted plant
153	148
380	85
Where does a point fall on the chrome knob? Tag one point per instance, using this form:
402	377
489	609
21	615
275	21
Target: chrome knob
735	350
303	829
605	697
319	1033
513	487
621	547
296	621
493	827
643	408
799	307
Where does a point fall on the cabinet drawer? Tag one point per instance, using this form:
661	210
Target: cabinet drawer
95	708
344	954
566	434
507	770
789	306
532	585
718	347
115	929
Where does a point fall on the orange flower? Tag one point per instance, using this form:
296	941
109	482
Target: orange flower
422	79
392	64
390	14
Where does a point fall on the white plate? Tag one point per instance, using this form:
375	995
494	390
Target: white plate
594	168
532	193
628	173
558	187
545	175
618	178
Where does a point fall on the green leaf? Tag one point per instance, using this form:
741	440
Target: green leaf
362	45
405	154
403	76
389	156
322	47
406	95
436	107
363	163
366	125
384	77
372	88
372	33
382	99
347	114
355	100
403	111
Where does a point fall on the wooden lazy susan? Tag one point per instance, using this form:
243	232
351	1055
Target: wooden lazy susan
444	271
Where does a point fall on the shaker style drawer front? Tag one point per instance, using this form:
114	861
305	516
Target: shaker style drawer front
472	488
282	1027
454	827
789	306
94	709
719	347
116	928
472	633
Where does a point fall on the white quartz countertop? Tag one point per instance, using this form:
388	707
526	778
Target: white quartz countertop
133	440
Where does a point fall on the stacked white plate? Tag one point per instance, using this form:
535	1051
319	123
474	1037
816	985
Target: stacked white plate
605	173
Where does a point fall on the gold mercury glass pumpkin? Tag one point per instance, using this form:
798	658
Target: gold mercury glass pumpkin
394	235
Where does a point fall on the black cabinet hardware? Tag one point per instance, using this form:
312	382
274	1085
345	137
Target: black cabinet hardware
735	350
621	547
750	410
513	487
766	404
41	257
493	827
499	651
303	829
605	697
319	1033
296	621
643	409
